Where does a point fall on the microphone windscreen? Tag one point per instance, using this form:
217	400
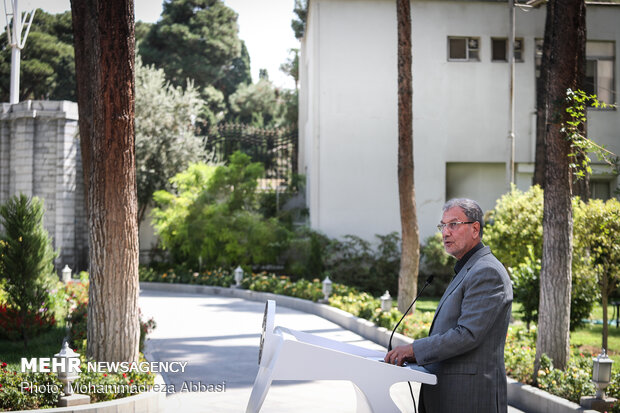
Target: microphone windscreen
430	279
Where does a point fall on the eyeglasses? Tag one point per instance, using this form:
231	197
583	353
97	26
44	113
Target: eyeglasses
452	225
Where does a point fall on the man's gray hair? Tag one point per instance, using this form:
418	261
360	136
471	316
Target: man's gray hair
472	210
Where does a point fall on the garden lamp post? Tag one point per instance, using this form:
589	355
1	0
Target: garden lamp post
327	288
601	376
386	302
601	373
238	276
66	274
69	363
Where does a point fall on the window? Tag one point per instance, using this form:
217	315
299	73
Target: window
600	70
499	49
600	190
463	48
600	61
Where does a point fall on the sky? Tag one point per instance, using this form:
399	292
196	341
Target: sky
265	26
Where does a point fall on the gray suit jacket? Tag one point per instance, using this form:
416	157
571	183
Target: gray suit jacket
465	346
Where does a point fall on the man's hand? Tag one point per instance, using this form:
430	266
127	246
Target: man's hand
400	354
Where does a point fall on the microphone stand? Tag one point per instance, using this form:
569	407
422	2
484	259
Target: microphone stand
428	281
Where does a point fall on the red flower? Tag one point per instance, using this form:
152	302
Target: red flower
105	374
3	365
125	375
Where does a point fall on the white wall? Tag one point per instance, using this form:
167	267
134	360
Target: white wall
348	109
352	99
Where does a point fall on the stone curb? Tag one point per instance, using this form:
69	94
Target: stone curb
140	403
531	399
522	396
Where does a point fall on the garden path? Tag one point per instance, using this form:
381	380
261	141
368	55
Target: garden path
218	337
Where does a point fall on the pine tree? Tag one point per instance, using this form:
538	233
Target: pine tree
27	260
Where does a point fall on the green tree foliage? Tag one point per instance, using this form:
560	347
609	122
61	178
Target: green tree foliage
298	24
255	104
165	134
198	40
47	69
354	262
142	30
516	225
514	233
27	260
211	220
291	66
599	239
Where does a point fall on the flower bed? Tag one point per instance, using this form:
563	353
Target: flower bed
27	390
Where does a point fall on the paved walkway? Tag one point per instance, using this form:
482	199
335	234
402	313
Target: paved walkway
219	336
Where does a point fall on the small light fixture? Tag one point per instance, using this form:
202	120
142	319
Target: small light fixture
238	276
327	288
69	368
66	274
386	302
601	373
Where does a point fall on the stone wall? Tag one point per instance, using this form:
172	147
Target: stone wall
40	156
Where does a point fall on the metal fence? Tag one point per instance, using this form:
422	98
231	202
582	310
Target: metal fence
275	148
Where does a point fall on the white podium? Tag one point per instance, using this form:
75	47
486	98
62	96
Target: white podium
286	354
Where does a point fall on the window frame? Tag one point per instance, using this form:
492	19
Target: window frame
538	45
598	58
468	50
505	40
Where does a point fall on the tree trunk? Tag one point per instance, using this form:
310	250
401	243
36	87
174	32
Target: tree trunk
605	300
565	24
539	161
410	250
104	55
581	187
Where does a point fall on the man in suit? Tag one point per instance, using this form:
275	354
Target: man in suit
465	346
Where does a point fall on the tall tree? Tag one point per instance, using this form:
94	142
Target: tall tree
581	187
104	55
565	30
198	40
166	142
47	68
410	250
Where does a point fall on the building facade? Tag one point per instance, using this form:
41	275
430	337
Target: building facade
461	106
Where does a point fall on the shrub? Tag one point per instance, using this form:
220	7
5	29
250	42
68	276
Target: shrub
353	262
27	262
599	239
515	224
13	322
519	353
526	282
572	383
15	397
364	305
212	220
305	253
514	233
308	290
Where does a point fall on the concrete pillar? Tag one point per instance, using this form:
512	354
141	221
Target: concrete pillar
40	156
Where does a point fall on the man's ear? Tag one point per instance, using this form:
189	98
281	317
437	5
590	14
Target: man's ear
476	226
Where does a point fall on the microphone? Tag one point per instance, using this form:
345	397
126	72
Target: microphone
428	281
